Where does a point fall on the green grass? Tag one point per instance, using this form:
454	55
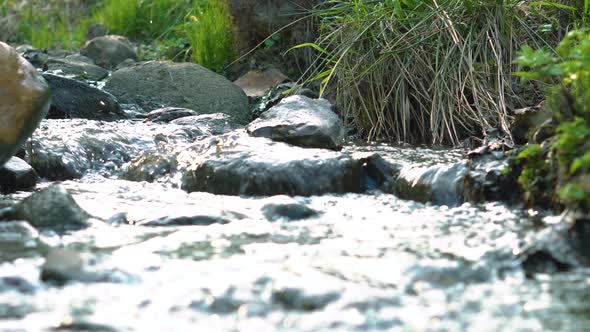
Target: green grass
432	71
53	26
211	36
201	30
183	30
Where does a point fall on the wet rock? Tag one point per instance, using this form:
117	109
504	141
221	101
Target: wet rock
38	58
543	262
75	67
158	84
527	120
438	184
151	166
74	99
18	239
559	247
194	220
287	208
67	149
62	265
16	284
256	83
444	275
300	121
109	51
168	114
236	164
487	179
297	299
54	208
16	174
209	124
24	101
83	326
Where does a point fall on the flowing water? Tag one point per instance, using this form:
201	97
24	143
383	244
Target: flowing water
169	260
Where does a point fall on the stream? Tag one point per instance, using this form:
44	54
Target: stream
166	259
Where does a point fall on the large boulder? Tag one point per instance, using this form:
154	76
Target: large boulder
236	164
75	99
109	51
301	121
157	84
24	101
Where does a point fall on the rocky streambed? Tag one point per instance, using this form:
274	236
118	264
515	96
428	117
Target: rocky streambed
189	217
340	254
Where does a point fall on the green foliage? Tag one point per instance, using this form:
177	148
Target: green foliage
180	29
424	71
569	97
534	176
569	66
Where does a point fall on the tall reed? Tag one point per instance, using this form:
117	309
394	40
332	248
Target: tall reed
431	71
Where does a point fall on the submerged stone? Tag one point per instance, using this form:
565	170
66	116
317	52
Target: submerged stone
301	121
18	239
209	124
287	208
24	101
62	265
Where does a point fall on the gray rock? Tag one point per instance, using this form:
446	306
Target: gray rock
237	164
297	299
300	121
157	84
18	240
16	283
74	67
24	101
109	51
16	174
212	124
74	99
287	208
167	114
77	57
62	265
95	30
54	208
37	58
68	149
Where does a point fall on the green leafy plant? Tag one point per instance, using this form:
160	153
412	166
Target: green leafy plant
567	70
